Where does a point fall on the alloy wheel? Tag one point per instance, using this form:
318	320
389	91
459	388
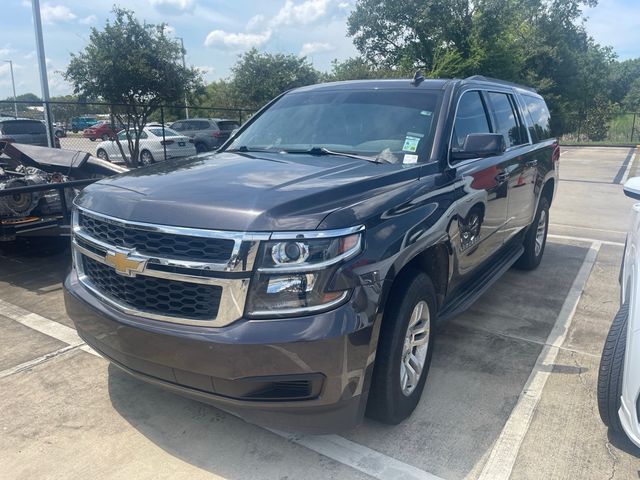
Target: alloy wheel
416	346
541	231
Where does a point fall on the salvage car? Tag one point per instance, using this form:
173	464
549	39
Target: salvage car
296	276
619	373
37	186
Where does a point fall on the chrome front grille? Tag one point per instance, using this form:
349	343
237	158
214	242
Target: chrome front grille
167	273
157	296
157	243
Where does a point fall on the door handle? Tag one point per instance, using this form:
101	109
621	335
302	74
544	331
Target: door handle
531	163
502	177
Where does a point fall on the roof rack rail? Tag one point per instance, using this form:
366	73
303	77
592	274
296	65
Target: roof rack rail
482	78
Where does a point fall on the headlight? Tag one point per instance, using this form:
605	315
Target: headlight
294	271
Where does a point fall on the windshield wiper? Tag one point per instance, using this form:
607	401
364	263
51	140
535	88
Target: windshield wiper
245	149
326	151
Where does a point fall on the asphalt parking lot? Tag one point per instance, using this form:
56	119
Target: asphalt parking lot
511	392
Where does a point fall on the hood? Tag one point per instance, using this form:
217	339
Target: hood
244	192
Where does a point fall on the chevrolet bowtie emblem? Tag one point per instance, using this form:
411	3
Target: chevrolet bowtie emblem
124	264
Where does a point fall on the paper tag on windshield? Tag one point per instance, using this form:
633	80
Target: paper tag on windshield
409	159
411	142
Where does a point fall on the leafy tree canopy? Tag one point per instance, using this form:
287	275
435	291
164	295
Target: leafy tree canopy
134	64
259	77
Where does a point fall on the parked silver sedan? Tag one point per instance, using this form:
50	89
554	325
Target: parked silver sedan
152	146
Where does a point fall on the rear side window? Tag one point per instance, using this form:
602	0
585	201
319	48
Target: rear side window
471	117
23	127
200	125
227	125
539	118
501	106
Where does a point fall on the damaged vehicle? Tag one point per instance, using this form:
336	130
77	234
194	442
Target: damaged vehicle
38	185
296	276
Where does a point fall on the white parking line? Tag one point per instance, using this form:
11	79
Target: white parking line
585	239
587	228
36	361
625	177
43	325
334	447
505	449
359	457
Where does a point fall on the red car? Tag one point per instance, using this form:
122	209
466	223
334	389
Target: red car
101	130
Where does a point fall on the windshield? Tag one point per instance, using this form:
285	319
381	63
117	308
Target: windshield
394	125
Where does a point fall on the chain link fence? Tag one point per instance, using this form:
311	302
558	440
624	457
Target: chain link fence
622	128
97	128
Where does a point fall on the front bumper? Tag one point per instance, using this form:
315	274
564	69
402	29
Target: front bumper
230	367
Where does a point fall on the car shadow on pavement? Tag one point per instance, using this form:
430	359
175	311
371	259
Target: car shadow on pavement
206	437
482	360
36	265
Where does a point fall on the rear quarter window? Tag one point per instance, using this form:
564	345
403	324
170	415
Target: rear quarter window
23	127
539	118
227	125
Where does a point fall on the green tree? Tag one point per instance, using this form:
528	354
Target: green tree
358	68
542	43
631	101
623	76
259	77
135	67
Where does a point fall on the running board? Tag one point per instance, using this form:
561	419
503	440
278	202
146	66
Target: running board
481	284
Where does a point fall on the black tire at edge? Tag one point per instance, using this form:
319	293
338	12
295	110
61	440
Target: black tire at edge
386	401
611	370
528	260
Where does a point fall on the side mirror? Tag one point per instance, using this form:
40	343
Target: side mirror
632	188
480	145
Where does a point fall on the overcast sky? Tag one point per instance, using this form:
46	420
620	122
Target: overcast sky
216	31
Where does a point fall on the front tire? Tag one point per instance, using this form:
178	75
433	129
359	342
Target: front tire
536	238
146	158
102	155
611	371
404	351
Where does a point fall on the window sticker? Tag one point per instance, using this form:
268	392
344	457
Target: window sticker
409	159
411	142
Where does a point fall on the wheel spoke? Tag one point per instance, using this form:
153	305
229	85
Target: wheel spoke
415	348
414	369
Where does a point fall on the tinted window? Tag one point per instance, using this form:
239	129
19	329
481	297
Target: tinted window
157	131
226	125
200	125
505	118
470	118
539	118
178	126
393	124
123	136
23	127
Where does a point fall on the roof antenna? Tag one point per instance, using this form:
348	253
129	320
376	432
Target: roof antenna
417	78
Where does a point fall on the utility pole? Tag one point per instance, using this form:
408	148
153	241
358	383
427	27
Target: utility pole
184	65
13	85
42	63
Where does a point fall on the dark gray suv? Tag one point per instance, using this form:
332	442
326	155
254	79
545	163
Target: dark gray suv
207	133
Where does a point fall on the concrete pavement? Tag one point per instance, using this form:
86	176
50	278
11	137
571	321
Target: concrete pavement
68	414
